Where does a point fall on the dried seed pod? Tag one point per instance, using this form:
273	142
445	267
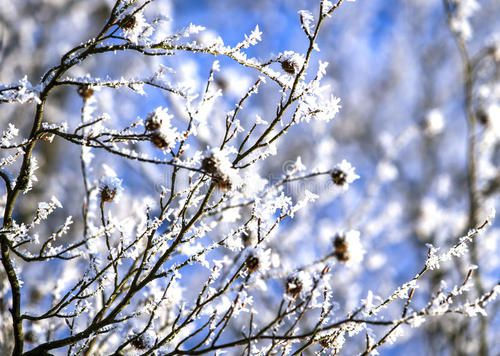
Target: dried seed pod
293	286
152	122
341	249
339	177
252	263
159	140
108	193
209	164
325	342
140	342
85	91
290	66
223	182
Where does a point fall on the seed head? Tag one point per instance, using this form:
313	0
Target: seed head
85	91
223	182
339	177
341	247
139	342
343	174
159	140
293	286
109	188
290	66
153	122
108	194
210	164
252	263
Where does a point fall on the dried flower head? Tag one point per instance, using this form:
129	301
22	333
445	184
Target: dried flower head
218	165
110	186
159	140
343	174
290	66
163	134
291	62
209	164
252	263
107	194
85	91
339	177
223	182
347	247
293	286
139	342
153	122
340	246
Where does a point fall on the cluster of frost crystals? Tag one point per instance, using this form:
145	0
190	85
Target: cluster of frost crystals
307	21
23	92
355	249
434	123
252	39
316	100
460	249
31	178
460	20
45	209
8	135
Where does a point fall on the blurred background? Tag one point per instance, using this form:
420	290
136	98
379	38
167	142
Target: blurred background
399	74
